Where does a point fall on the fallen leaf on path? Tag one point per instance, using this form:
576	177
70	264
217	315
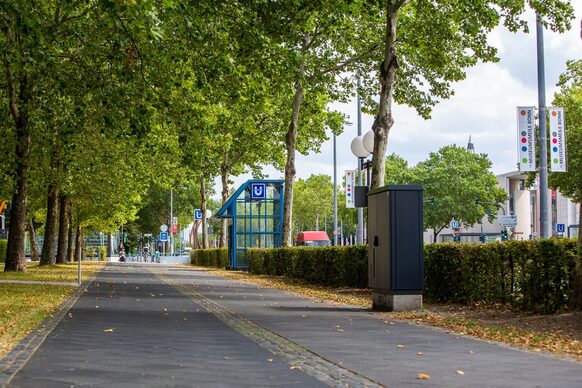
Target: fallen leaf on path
460	372
295	367
108	330
420	354
401	346
269	360
422	376
471	352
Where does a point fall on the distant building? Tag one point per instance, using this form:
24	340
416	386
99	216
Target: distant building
470	146
524	203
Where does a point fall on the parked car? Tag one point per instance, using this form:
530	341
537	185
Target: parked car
312	239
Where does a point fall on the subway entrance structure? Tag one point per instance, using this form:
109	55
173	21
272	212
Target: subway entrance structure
255	214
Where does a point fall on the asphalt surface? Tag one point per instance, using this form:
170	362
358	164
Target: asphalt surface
176	326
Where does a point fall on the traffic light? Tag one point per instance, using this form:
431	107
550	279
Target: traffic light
431	201
456	237
476	202
504	235
482	238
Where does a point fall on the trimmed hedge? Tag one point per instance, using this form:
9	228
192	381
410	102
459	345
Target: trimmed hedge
533	275
537	275
3	246
337	266
216	257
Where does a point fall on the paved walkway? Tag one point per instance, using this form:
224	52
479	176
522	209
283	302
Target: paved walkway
176	326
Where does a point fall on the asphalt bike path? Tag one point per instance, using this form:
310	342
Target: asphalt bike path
388	352
130	329
178	326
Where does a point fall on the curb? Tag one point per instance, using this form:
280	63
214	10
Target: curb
19	356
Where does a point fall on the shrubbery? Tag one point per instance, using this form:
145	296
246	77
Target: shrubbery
533	275
216	257
3	245
337	266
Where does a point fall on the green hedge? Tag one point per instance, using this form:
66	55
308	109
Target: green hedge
3	245
536	275
216	257
531	275
338	266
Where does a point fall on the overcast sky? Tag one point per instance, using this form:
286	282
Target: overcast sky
483	106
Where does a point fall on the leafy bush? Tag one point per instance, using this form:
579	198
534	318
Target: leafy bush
531	275
337	266
216	257
536	275
3	245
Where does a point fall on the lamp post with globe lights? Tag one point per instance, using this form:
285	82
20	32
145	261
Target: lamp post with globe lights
362	147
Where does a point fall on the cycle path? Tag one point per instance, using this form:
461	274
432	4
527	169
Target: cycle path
132	330
178	326
382	350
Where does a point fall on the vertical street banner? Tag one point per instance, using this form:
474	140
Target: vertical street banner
526	141
557	140
350	183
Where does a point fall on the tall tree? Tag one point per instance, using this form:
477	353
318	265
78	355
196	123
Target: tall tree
570	183
455	177
41	41
428	45
317	44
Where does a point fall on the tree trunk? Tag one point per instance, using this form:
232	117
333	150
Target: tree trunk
384	119
71	235
50	232
32	240
62	244
290	144
435	235
110	241
15	260
79	243
203	209
224	178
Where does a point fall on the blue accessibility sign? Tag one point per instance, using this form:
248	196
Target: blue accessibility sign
258	191
454	224
163	236
197	214
560	228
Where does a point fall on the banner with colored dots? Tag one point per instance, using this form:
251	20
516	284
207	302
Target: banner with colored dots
350	183
526	138
557	140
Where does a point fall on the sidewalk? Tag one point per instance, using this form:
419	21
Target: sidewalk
177	326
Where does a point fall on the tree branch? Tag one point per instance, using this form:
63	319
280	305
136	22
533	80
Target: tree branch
342	65
14	111
134	44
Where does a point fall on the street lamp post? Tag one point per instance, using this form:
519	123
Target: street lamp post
544	221
360	231
334	192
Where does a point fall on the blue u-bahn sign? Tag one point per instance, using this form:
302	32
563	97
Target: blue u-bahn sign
258	191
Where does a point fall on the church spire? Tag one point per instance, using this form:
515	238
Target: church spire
470	146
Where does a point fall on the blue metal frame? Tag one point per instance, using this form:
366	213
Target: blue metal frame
229	210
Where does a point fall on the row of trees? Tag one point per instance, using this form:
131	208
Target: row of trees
102	100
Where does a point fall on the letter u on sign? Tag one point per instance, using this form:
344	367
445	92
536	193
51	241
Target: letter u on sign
258	191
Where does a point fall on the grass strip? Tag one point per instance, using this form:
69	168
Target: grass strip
24	306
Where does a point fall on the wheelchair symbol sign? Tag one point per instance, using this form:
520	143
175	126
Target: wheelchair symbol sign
258	191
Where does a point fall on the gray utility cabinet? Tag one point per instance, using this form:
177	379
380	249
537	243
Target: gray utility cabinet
395	247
